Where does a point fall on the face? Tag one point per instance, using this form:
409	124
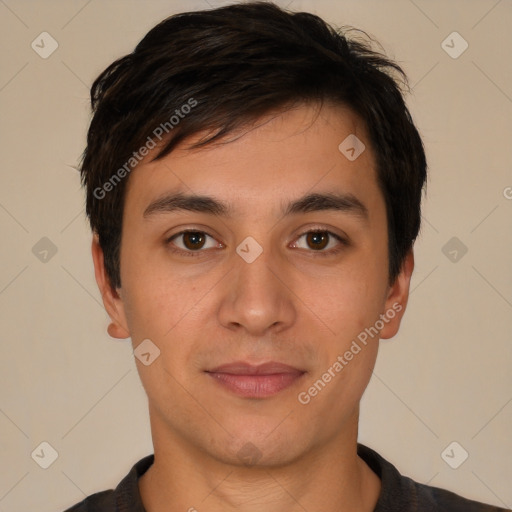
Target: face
285	260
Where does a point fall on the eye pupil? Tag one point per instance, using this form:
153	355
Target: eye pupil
196	238
318	239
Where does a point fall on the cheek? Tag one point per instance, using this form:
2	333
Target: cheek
154	312
166	307
149	303
350	300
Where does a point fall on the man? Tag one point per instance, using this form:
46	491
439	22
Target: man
254	182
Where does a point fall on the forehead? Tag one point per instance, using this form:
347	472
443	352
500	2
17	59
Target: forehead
282	155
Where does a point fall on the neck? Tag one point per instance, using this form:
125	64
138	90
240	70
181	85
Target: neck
329	477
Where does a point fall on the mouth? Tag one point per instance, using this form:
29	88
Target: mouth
256	381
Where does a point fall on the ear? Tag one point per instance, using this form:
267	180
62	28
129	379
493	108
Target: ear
398	295
111	299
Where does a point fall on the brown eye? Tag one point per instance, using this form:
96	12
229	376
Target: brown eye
194	240
317	239
189	242
321	242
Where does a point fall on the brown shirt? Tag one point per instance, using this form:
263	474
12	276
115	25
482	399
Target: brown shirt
398	493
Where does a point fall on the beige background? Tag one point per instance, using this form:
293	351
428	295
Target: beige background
445	377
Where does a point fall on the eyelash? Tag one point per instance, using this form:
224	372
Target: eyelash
342	243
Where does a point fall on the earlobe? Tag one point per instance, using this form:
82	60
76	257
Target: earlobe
398	295
111	300
115	330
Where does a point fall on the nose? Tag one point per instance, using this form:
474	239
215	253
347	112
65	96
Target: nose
258	296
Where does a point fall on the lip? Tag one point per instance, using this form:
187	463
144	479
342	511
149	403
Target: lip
243	368
256	381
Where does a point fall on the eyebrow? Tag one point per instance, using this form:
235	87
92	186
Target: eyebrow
313	202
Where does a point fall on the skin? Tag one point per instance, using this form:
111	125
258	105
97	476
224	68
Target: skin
290	305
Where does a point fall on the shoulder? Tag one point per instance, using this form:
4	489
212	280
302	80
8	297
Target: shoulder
99	502
402	494
125	496
437	499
